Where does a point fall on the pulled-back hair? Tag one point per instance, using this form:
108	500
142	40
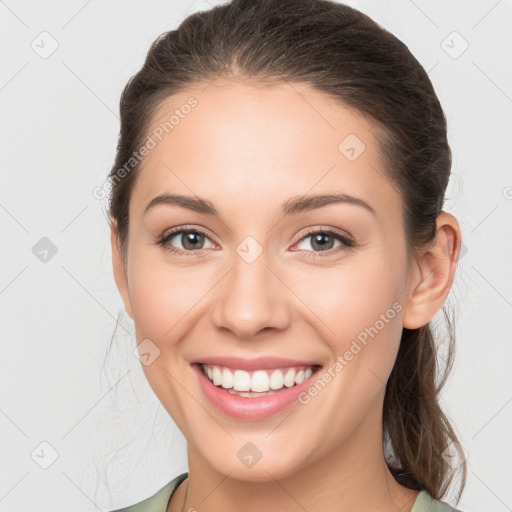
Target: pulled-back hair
340	51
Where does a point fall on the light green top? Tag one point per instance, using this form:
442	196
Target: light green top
160	500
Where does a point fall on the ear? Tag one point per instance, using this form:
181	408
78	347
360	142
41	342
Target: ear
434	275
118	265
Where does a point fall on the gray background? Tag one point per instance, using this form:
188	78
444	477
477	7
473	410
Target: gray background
102	433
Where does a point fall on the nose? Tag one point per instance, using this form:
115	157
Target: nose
251	299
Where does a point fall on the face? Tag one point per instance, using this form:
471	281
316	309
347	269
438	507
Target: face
319	282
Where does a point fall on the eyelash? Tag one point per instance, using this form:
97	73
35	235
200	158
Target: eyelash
346	242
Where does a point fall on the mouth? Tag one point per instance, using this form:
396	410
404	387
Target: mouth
256	394
263	382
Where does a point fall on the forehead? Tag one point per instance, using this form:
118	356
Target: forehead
241	143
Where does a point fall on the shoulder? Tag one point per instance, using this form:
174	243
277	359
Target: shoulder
425	503
157	502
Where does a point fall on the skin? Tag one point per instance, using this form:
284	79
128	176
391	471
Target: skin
247	149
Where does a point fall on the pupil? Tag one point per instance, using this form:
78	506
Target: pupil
190	238
323	241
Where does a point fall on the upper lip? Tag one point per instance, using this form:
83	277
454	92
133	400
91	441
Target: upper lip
258	363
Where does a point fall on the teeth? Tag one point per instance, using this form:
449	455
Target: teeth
289	378
227	379
276	379
260	381
299	378
217	375
241	381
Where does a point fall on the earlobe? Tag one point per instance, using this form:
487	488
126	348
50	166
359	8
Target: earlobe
119	269
435	272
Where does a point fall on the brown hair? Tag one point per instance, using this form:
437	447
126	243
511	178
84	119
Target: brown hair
345	54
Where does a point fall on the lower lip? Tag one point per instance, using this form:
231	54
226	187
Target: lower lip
246	408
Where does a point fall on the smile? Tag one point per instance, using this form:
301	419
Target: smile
236	395
259	381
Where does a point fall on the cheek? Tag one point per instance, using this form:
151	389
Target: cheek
160	299
352	296
163	302
357	308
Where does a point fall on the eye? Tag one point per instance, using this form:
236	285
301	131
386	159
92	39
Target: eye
190	240
324	241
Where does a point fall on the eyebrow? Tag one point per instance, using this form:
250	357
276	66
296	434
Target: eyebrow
292	206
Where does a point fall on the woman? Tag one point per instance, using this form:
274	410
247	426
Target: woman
279	241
